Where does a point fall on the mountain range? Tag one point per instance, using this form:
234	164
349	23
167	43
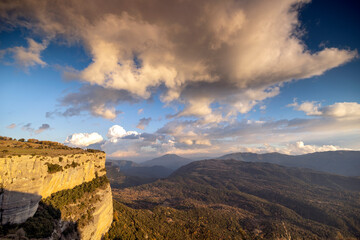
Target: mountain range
231	199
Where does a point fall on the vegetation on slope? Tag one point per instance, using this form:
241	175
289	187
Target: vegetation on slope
258	200
164	222
70	196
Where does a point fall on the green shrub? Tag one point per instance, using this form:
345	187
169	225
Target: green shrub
73	165
53	168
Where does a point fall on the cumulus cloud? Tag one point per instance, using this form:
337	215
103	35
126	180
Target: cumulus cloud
336	110
11	126
143	123
117	132
229	55
83	139
30	56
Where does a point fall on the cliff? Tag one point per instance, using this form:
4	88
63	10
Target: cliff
46	170
102	216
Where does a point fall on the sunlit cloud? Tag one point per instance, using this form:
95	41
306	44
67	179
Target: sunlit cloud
83	139
336	110
30	56
296	148
220	59
189	138
117	132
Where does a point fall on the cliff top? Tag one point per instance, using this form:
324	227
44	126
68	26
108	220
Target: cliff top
10	146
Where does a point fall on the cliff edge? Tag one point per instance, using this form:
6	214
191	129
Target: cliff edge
35	171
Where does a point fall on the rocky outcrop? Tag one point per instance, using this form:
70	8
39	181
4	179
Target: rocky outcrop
26	179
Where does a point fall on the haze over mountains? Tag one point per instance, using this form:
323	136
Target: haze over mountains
171	161
130	168
345	163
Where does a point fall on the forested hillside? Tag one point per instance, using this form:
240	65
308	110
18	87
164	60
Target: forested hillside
228	199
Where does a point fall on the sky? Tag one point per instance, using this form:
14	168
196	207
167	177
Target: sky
139	79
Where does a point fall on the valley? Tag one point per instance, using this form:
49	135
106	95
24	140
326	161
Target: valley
230	199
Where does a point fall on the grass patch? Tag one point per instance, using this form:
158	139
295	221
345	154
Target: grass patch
9	146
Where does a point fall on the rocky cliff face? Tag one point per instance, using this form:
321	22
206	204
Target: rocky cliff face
102	216
26	179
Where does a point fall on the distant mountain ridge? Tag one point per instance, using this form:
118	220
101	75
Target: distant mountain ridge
129	168
123	164
171	161
345	163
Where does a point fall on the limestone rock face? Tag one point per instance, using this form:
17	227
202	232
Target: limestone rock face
26	179
103	216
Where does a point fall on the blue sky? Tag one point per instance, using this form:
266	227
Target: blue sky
139	82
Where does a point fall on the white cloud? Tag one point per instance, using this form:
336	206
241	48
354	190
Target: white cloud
342	110
83	139
117	132
297	148
228	55
310	108
336	110
300	148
